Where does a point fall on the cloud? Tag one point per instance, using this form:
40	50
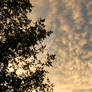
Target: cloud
73	44
71	21
82	90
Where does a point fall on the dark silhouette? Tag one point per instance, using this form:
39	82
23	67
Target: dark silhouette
20	43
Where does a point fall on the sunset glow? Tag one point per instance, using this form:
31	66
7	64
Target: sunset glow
71	21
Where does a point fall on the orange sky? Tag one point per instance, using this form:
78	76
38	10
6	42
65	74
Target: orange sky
71	21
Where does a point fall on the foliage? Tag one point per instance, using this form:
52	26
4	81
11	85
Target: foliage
20	43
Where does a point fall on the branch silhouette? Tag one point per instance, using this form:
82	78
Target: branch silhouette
20	43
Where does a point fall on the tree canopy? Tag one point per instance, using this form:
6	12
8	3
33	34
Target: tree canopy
21	40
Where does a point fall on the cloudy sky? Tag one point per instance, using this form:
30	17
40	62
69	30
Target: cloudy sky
71	21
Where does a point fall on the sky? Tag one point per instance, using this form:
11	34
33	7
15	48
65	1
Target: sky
71	22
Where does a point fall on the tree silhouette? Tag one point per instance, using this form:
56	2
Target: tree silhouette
21	42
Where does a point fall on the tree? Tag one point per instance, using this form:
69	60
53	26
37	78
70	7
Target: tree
21	41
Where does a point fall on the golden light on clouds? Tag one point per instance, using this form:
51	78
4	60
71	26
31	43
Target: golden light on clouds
71	21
